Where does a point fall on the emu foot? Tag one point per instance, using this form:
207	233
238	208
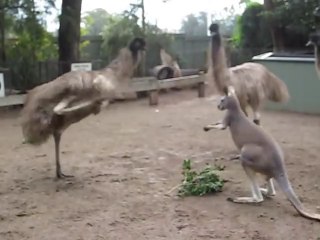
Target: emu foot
236	157
206	129
256	121
245	200
61	175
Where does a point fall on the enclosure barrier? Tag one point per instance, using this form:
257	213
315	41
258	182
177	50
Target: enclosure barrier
153	86
299	74
147	84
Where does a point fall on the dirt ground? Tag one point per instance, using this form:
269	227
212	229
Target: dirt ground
127	158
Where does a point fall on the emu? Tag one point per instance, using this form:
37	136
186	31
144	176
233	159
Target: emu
253	83
49	109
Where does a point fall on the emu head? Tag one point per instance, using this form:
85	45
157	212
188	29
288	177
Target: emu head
137	44
215	38
229	101
214	28
314	40
137	47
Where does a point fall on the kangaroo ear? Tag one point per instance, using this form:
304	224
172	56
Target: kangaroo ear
231	91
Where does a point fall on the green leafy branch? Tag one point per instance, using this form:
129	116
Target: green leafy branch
200	183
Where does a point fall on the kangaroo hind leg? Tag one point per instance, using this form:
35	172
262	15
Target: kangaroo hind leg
249	158
255	190
270	190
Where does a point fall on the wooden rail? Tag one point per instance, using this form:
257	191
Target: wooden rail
152	85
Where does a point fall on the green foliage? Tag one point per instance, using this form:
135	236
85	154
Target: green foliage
202	183
227	20
246	2
27	40
95	21
27	46
291	22
250	31
119	29
293	13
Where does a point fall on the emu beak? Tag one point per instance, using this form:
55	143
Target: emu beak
309	43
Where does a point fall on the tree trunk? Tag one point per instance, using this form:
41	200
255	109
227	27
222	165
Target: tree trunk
2	38
69	34
277	32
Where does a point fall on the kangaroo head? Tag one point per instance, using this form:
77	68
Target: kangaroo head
229	101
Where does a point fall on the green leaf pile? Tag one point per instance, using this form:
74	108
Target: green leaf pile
200	183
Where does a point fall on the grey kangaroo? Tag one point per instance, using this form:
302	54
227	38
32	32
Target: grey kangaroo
259	153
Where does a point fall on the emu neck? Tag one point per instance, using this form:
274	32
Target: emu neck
215	45
220	71
317	57
124	65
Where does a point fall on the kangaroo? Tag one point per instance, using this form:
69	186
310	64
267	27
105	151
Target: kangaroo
259	153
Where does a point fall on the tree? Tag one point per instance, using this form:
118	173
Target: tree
276	28
227	20
13	10
123	27
95	21
194	25
69	33
24	40
120	30
250	31
288	22
289	18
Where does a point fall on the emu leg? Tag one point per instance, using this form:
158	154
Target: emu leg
244	108
236	157
256	117
59	173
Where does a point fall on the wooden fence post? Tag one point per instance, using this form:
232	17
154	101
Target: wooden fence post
201	87
153	97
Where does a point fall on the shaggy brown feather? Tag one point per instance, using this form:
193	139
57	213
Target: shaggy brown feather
314	40
50	108
38	113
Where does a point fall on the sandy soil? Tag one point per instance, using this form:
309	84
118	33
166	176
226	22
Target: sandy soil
127	158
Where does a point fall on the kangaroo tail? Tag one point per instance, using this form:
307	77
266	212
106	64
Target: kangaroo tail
286	187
